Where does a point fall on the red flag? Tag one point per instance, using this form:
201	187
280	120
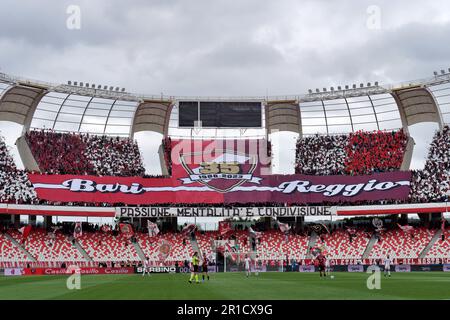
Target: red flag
443	225
225	229
406	228
78	230
25	231
126	229
189	229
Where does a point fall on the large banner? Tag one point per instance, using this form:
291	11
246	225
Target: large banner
161	212
222	188
61	271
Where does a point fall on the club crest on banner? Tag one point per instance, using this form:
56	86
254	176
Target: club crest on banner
228	170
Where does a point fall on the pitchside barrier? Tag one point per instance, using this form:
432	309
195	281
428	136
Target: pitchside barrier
14	272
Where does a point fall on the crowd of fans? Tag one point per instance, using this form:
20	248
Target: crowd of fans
101	155
433	182
66	153
321	155
355	154
378	151
14	184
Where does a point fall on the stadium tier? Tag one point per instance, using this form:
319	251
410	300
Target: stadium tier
69	153
54	248
354	154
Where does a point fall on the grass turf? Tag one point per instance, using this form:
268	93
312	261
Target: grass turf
271	285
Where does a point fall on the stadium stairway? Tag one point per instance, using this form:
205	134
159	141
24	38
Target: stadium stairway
82	251
17	244
139	251
194	244
435	238
369	247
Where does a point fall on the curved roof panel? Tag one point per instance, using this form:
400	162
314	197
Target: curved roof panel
77	113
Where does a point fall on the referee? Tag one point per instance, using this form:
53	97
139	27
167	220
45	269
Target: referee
194	272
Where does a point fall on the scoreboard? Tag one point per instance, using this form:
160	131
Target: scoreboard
223	114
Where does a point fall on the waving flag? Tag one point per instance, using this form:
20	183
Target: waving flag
78	230
254	234
189	229
406	228
232	251
153	229
319	228
443	225
284	227
225	229
126	229
25	231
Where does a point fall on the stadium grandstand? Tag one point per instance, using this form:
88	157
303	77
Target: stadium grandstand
352	173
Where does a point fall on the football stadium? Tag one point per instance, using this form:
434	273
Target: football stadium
83	217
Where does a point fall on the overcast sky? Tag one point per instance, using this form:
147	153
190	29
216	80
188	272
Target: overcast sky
210	47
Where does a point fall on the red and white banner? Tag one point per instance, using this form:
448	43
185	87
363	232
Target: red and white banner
270	188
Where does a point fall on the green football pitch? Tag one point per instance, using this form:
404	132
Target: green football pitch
271	285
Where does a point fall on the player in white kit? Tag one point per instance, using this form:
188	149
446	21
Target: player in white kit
387	266
327	267
146	267
247	262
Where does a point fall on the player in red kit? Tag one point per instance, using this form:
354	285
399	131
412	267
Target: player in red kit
205	268
321	259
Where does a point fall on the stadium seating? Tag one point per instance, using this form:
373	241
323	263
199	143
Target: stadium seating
273	246
400	244
339	246
10	253
66	153
205	242
440	249
104	247
178	251
46	246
